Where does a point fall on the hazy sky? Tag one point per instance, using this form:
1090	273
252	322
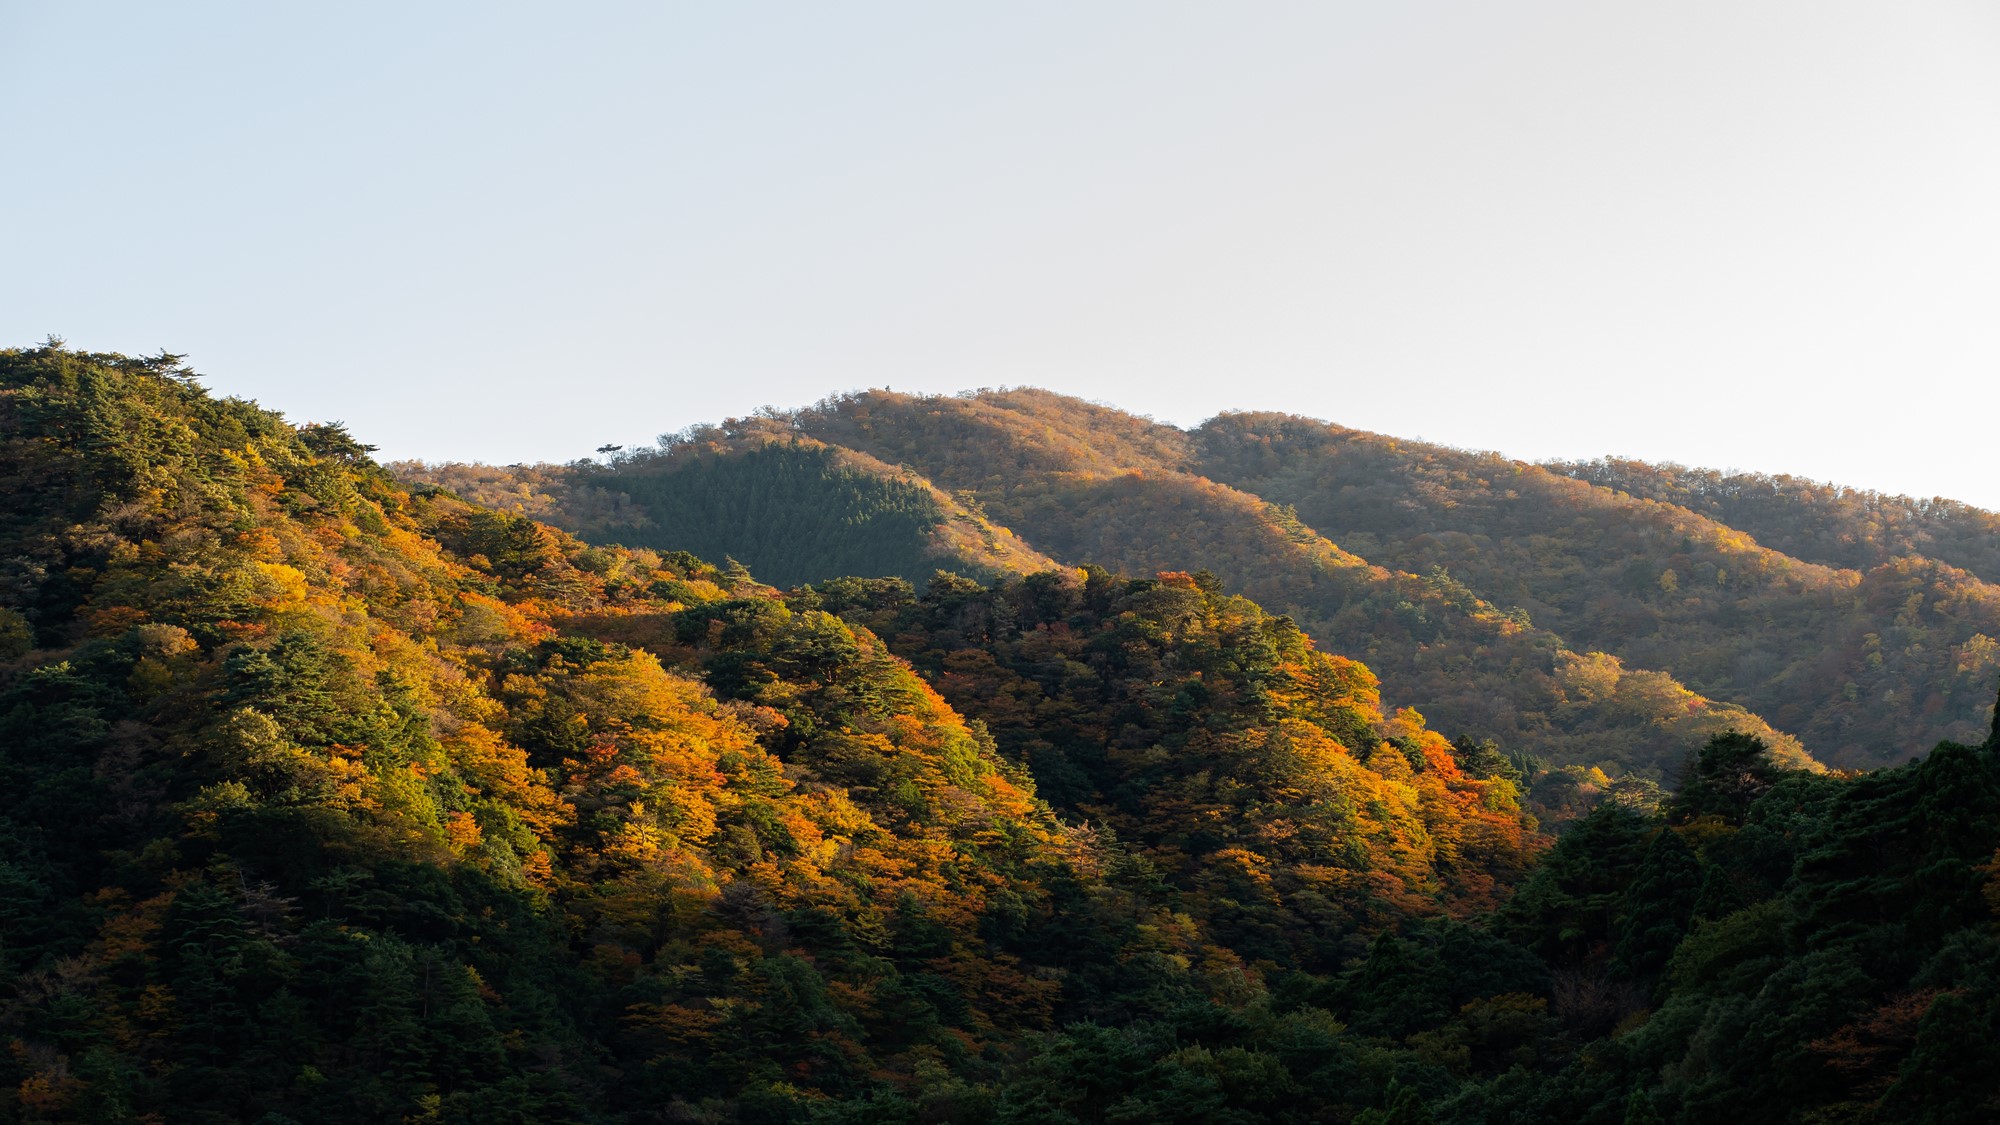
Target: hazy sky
1740	234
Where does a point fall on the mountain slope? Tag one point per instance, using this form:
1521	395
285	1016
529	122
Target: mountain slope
329	799
791	509
323	800
1808	519
1090	484
1560	612
1256	773
1855	662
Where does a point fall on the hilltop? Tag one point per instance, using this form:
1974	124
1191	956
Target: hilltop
790	508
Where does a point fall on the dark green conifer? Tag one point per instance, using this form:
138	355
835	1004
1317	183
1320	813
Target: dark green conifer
1402	1105
1659	905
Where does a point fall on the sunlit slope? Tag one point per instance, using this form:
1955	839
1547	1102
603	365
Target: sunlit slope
1863	665
993	439
1256	773
1809	519
791	509
326	798
323	798
1089	484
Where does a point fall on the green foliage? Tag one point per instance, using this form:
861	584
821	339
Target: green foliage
322	799
1660	905
1567	908
1725	779
1253	773
794	511
1404	1107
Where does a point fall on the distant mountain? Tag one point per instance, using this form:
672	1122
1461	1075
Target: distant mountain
1813	520
1853	661
1086	483
1581	613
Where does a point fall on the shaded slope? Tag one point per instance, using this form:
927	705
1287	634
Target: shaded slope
1858	664
1090	484
1838	934
791	509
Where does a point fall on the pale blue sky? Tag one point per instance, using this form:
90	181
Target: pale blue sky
1761	235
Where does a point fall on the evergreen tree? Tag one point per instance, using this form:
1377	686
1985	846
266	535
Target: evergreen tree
1659	905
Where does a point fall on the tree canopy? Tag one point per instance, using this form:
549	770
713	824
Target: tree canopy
331	797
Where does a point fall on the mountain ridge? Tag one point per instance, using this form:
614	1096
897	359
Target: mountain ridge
1838	654
1682	589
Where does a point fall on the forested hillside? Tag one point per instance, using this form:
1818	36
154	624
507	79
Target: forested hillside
791	509
1594	615
1089	484
1855	662
324	801
1249	770
1814	520
332	799
338	801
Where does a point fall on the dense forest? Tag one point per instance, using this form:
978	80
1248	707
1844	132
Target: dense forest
338	795
1596	615
1059	474
1813	520
1089	484
791	509
1851	660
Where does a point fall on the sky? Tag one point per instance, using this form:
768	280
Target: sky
1733	234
